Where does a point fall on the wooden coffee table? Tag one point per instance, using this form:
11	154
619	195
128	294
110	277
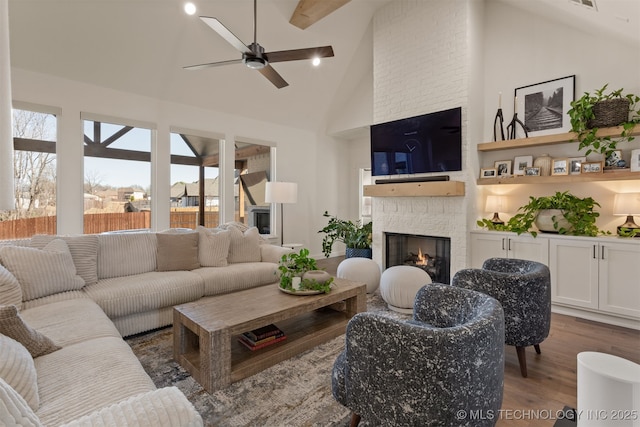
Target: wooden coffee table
205	331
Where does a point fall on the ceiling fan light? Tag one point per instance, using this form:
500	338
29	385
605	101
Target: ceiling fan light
255	63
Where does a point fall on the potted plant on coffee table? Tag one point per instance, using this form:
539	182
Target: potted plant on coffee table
562	213
599	109
355	235
299	273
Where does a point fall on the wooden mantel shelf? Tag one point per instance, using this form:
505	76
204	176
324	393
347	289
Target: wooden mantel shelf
416	189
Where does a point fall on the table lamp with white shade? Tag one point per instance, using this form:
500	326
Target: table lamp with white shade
627	204
281	192
496	204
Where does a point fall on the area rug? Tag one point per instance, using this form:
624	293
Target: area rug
296	392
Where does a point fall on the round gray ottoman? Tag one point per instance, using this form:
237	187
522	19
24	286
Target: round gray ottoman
400	284
360	270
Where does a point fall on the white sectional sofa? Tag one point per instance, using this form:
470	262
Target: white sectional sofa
84	293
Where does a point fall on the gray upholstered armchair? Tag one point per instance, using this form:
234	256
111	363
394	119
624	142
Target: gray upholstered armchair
444	367
524	290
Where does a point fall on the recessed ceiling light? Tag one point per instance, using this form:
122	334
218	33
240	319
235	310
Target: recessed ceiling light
315	61
189	8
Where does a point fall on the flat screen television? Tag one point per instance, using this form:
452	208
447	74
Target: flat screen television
427	143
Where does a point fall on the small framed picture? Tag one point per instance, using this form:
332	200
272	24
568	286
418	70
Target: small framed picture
504	167
488	173
592	167
532	171
521	162
575	165
635	160
560	167
613	159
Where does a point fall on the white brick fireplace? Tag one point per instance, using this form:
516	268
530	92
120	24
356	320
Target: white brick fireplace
425	61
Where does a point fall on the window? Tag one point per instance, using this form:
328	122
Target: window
189	155
117	177
251	175
34	160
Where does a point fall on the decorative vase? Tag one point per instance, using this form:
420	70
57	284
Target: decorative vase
545	217
356	252
319	276
544	163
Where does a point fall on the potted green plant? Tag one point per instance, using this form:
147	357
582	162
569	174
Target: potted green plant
564	213
294	269
600	109
355	235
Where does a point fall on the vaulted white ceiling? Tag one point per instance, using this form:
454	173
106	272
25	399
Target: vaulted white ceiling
140	46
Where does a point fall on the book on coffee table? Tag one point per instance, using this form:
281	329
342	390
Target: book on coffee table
257	346
263	332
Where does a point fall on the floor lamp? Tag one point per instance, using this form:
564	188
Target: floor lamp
281	192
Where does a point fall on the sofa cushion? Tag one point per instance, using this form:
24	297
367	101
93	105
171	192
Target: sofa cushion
18	370
177	251
10	290
71	321
42	272
213	248
235	277
84	252
165	407
14	410
87	376
120	296
126	254
12	325
62	296
244	247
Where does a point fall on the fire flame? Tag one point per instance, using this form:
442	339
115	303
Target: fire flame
422	259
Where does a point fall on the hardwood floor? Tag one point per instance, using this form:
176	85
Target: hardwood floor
551	381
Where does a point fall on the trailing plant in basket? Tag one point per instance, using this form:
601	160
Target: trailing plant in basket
353	234
295	265
584	116
579	212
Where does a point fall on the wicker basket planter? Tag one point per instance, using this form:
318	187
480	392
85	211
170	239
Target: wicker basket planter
610	112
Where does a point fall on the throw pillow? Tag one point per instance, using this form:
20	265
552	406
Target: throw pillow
19	371
42	272
244	247
12	325
177	251
84	252
14	410
10	290
213	247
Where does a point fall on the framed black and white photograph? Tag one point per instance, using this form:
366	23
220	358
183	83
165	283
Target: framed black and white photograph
503	167
575	165
635	160
532	171
520	163
543	106
592	167
560	166
488	173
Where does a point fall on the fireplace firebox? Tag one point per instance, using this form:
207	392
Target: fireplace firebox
430	253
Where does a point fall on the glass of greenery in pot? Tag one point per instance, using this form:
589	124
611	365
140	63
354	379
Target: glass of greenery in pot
292	268
354	235
600	109
574	215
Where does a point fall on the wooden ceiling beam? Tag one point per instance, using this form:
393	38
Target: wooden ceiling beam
308	12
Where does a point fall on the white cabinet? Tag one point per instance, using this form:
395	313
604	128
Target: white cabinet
599	274
485	245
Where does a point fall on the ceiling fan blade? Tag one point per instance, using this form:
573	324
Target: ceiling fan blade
213	64
225	33
308	12
298	54
273	77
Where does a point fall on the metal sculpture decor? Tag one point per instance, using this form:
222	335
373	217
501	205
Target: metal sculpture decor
498	122
515	121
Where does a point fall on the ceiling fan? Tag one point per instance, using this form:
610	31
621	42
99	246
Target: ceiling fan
254	56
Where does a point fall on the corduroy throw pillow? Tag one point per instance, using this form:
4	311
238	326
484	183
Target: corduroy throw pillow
12	325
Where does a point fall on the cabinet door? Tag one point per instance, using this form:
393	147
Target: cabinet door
620	278
485	246
574	272
529	248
